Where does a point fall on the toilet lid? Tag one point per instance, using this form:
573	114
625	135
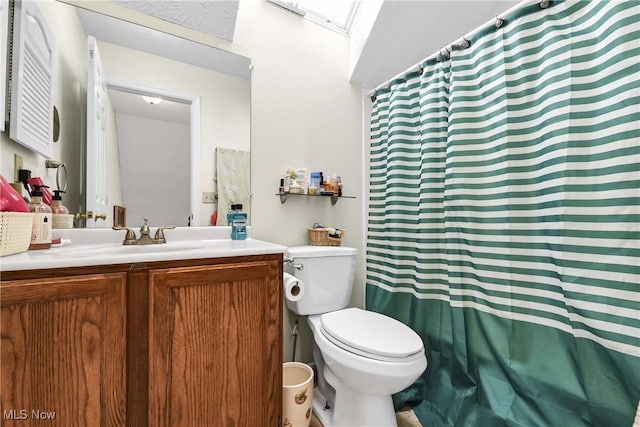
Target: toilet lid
371	334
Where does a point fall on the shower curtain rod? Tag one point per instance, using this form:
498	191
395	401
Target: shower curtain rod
497	21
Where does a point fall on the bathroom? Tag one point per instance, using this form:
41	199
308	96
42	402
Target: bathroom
305	112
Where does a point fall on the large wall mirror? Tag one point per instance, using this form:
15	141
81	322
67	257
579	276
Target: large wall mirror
166	127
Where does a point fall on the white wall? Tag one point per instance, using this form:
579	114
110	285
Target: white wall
405	33
69	96
361	29
155	170
304	113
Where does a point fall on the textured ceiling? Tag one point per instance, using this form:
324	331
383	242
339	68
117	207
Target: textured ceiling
213	17
137	37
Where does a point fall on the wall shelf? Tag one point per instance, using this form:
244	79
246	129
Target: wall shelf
334	199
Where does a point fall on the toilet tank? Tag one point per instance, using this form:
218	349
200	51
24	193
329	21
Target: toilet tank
327	276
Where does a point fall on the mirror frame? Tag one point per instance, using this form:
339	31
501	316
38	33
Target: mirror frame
4	45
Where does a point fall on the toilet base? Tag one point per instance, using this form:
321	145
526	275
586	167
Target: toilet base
354	410
319	405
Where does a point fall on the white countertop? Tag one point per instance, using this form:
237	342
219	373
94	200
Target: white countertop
86	247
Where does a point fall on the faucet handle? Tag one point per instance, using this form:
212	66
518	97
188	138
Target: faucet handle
144	230
129	238
160	233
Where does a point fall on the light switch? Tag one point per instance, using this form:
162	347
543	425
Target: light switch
208	197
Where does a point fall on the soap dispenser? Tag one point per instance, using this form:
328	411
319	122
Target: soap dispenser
42	220
61	217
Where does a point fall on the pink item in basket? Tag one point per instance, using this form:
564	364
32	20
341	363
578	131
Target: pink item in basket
10	199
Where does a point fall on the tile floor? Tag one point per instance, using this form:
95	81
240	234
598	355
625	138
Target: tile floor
405	417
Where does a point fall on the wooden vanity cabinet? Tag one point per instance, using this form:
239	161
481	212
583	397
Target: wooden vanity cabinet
214	345
177	343
63	350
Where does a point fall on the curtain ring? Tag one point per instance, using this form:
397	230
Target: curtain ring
438	57
544	4
465	43
62	188
420	69
499	22
447	53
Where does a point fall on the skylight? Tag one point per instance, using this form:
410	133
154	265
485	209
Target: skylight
337	15
332	13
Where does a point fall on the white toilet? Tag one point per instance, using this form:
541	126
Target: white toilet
362	357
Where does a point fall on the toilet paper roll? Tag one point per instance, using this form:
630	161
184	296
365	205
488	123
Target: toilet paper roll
293	288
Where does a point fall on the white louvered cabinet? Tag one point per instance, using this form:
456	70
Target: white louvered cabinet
31	113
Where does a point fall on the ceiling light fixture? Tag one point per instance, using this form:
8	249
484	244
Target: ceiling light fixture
152	100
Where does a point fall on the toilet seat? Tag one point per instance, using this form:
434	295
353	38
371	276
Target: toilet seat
371	335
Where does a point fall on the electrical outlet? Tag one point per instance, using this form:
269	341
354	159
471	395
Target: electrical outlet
17	165
208	197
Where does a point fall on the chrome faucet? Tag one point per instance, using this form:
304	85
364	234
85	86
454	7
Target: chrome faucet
145	238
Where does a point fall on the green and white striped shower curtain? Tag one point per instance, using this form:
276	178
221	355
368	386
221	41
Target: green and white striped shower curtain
504	220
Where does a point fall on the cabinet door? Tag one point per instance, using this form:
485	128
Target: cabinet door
215	345
63	351
33	53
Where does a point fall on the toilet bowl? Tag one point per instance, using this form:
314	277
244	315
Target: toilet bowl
364	373
361	357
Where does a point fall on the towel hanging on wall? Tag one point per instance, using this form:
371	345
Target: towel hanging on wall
232	175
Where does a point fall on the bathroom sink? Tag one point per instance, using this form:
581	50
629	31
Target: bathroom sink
102	246
119	249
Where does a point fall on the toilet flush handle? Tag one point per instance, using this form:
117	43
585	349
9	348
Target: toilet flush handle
289	260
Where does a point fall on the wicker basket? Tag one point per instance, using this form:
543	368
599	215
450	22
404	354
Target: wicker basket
15	232
320	237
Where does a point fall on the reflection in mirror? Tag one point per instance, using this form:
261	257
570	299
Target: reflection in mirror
164	148
205	105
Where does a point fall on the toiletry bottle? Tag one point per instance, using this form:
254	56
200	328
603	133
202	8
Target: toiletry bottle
314	183
35	181
42	219
334	185
238	221
60	212
285	186
234	207
301	180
